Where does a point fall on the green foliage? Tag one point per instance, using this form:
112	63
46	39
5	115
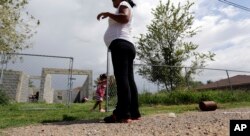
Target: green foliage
192	97
112	88
16	26
166	44
4	99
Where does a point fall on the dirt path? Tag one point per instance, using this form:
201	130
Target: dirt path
214	123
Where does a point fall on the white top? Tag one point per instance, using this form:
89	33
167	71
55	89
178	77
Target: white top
117	30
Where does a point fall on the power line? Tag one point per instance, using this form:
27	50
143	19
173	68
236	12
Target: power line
235	5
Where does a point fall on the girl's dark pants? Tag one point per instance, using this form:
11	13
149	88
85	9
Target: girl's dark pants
123	54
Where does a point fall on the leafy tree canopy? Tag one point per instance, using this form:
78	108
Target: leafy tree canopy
165	44
16	26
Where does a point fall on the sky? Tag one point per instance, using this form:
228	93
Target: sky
70	28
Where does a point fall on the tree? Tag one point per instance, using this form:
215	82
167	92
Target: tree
164	48
209	81
16	26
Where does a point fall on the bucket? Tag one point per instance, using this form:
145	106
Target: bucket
207	105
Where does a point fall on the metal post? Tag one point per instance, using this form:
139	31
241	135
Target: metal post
2	64
107	86
229	82
70	82
158	86
186	77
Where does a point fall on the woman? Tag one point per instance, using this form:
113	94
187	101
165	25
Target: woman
119	40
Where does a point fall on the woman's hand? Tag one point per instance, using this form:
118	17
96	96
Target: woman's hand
103	15
123	16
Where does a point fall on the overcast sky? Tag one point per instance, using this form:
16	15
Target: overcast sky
70	28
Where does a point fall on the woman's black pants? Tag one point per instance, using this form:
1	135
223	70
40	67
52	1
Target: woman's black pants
123	54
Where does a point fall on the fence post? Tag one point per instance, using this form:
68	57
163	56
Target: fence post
2	64
229	82
107	86
186	77
4	61
70	82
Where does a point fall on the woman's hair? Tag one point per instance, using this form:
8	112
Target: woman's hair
132	4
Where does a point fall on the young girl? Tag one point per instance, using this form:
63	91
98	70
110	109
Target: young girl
100	92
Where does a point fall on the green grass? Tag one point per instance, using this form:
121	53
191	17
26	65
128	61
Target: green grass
20	114
155	109
23	114
190	97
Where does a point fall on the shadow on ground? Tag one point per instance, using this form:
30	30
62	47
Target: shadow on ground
70	120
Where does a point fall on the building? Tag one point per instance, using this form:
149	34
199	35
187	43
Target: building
241	82
16	84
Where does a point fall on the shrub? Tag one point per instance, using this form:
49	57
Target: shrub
4	99
191	97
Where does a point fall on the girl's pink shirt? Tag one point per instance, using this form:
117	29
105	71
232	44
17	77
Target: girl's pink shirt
101	88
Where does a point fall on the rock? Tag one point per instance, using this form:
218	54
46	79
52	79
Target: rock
171	115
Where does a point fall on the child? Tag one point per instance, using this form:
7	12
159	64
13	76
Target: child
100	92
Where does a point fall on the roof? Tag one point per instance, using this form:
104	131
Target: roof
235	81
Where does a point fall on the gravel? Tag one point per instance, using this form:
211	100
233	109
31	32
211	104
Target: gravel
212	123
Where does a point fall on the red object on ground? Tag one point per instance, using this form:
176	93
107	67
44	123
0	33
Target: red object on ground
207	105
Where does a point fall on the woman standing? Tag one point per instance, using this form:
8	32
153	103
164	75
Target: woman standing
119	40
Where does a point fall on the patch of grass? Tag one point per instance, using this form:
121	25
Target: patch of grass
22	114
155	109
191	97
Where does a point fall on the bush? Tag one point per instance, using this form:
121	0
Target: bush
4	99
192	97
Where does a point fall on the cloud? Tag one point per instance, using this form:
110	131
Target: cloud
229	11
70	28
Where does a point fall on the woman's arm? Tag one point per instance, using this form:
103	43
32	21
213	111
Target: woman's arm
123	16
